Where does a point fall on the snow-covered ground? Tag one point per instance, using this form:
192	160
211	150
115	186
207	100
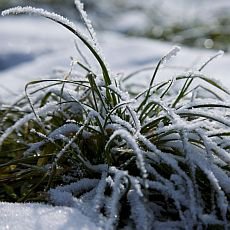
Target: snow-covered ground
32	49
42	217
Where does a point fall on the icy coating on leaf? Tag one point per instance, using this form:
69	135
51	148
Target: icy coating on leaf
42	12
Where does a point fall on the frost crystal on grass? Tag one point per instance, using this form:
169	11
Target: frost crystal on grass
41	12
93	47
175	50
86	20
220	53
138	211
41	111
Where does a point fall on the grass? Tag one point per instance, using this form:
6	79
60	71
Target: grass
198	34
158	158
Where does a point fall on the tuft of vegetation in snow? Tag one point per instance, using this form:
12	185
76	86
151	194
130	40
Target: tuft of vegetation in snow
158	158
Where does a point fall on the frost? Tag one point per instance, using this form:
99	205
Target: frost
41	111
220	53
41	12
113	206
132	143
77	187
94	48
175	50
91	31
100	190
88	23
139	213
65	130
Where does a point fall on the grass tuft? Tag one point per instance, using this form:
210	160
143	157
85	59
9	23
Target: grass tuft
158	158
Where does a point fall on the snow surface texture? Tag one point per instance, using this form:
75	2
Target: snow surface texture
28	55
37	216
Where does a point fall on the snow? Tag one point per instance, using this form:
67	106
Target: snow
39	216
26	54
88	23
31	54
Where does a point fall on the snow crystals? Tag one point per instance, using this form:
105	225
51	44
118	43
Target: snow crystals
41	12
175	50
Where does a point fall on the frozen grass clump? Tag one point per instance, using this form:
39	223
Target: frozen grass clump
159	158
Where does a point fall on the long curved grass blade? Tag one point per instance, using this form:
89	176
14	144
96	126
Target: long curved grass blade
68	25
